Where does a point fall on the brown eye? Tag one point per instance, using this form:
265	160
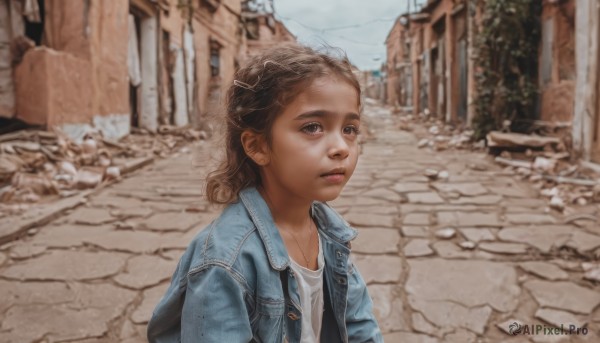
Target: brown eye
312	128
351	130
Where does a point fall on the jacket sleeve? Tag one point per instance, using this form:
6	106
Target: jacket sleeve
360	321
209	307
214	309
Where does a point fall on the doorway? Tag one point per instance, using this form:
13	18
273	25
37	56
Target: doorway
438	63
135	78
143	68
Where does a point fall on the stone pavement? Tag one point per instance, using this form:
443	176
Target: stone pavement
456	260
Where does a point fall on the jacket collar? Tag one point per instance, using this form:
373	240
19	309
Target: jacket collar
328	221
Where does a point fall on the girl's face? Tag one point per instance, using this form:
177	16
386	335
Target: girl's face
314	146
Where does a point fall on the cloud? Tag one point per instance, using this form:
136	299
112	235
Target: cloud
312	22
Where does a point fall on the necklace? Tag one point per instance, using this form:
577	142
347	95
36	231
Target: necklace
268	201
309	244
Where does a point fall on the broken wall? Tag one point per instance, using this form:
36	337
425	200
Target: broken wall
174	62
80	77
67	27
53	88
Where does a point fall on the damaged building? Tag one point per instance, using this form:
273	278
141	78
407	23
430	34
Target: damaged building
440	63
118	65
263	31
430	67
398	67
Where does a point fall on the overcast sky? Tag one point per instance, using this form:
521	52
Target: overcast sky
357	26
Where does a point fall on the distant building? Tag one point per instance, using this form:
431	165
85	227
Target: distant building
373	85
431	49
219	45
263	31
399	83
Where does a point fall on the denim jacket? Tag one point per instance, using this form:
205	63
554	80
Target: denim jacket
234	283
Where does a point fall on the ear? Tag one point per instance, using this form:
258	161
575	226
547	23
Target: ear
256	147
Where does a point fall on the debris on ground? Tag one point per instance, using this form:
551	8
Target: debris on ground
547	163
542	157
445	233
592	271
467	245
433	174
438	135
37	164
512	140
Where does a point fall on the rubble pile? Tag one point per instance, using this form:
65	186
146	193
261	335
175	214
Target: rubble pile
40	164
546	162
544	158
439	136
167	139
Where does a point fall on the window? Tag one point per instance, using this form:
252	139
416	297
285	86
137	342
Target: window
406	49
252	29
271	22
211	5
215	58
34	22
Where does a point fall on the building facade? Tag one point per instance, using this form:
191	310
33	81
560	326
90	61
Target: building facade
440	39
114	65
399	69
433	48
263	31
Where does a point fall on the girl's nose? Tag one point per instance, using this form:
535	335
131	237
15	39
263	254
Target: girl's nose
338	148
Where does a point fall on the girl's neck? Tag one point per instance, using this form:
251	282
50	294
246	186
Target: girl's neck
288	212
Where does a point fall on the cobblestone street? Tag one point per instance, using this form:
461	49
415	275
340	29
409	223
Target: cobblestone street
454	260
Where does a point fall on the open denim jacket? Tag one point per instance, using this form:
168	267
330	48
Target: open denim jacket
234	284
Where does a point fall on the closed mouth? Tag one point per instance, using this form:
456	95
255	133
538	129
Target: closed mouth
337	171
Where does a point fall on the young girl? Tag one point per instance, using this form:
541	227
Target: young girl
275	266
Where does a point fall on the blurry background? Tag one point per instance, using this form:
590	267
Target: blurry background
476	197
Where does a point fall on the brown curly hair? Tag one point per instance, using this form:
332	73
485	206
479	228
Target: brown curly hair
260	91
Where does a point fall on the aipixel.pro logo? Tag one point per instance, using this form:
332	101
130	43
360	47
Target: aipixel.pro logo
516	328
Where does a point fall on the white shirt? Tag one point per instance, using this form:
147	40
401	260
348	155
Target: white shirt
310	287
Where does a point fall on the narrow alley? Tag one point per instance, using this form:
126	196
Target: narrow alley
476	196
460	259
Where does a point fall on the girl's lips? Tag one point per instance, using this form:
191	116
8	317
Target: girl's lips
334	178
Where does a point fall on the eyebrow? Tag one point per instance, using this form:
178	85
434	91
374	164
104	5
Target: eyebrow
323	114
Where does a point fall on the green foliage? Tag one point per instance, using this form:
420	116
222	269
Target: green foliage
507	64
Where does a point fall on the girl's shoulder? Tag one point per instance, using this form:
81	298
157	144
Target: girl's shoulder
333	223
221	240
